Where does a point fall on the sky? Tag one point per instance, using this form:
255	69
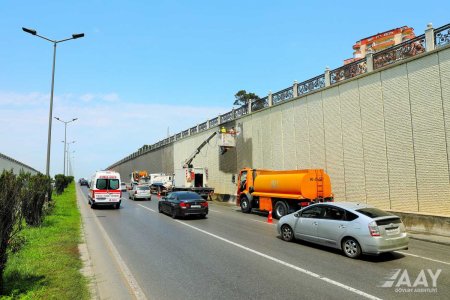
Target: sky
148	68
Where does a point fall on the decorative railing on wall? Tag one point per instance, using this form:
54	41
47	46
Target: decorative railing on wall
348	71
401	51
442	36
431	40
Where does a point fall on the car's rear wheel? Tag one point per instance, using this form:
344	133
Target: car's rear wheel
287	234
351	248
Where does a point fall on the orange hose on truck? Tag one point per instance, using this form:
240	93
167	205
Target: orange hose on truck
281	192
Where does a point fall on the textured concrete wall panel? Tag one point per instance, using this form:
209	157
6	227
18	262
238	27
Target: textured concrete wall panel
302	145
288	135
430	145
333	142
374	141
352	140
400	150
444	71
276	136
244	143
258	137
316	132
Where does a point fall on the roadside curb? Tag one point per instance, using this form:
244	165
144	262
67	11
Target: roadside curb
87	270
437	239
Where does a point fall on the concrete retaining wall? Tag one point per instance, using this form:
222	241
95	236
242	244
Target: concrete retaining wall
383	137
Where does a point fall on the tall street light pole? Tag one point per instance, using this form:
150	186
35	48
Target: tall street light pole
74	36
65	138
68	153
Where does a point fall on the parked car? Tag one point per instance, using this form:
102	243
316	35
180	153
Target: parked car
354	228
123	186
183	203
140	192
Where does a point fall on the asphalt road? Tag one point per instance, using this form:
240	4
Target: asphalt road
138	253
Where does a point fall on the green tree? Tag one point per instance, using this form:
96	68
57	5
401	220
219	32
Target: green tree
243	98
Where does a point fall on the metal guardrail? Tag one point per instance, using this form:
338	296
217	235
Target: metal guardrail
394	54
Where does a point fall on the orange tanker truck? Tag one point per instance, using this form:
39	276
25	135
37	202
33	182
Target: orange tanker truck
281	192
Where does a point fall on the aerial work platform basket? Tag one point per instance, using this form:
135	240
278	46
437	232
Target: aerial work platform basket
227	140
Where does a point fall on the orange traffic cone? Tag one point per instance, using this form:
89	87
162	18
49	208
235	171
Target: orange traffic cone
269	217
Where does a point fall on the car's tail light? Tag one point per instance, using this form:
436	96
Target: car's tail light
184	205
373	229
204	204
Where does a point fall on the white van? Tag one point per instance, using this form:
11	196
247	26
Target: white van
104	189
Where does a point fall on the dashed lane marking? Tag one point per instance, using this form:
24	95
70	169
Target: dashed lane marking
423	257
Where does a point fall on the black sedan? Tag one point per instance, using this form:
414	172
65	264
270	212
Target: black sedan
181	204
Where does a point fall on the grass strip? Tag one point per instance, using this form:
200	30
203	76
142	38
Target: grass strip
48	265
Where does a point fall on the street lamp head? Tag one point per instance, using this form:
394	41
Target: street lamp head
57	118
77	35
74	119
30	31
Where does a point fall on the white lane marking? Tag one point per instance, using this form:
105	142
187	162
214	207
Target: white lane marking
423	257
312	274
131	281
216	211
147	207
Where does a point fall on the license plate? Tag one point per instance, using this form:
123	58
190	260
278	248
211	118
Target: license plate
392	231
196	206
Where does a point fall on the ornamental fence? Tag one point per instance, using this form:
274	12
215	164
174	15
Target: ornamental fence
432	39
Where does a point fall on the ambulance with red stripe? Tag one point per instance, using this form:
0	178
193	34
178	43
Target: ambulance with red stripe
104	189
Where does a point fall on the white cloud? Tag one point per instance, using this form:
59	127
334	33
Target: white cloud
107	128
111	97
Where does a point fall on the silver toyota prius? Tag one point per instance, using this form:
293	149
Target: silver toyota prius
354	228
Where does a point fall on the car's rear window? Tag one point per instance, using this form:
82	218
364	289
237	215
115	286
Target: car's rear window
373	212
189	196
107	184
143	188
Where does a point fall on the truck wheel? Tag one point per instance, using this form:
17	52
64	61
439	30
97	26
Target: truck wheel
280	209
245	205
